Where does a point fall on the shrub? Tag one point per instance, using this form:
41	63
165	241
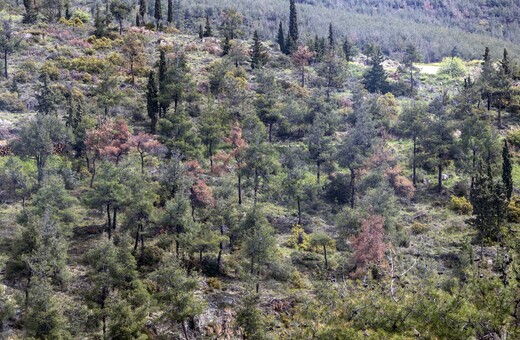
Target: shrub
10	102
299	238
50	70
513	137
461	205
152	256
297	280
513	214
84	64
402	186
73	22
453	67
214	283
419	228
81	15
100	43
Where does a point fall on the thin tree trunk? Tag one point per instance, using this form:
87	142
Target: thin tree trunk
136	243
414	165
132	72
6	74
239	189
352	188
252	265
270	132
114	219
121	29
221	248
325	254
299	211
142	162
184	330
200	258
256	186
210	151
318	171
109	220
142	242
439	179
93	173
303	76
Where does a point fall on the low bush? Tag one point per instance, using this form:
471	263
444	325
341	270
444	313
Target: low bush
461	205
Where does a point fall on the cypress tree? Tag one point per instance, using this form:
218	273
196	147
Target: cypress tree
507	170
162	79
293	22
142	10
280	38
505	64
226	45
332	40
137	20
158	12
258	54
290	45
201	32
151	101
208	32
170	11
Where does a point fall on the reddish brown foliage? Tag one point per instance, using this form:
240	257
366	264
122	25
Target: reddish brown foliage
402	186
238	145
110	140
201	194
368	246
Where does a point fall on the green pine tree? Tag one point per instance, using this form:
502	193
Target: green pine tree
293	22
158	12
375	78
258	54
332	39
507	170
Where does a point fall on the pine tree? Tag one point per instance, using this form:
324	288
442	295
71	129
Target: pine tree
170	11
151	101
158	12
348	49
208	32
507	170
332	39
375	78
258	54
293	22
280	38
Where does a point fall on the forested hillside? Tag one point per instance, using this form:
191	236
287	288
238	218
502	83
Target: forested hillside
259	170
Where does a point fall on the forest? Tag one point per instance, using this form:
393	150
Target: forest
259	170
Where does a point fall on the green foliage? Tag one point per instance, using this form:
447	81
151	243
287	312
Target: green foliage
250	319
454	67
299	238
461	205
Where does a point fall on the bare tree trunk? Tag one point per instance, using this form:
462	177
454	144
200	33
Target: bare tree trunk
114	219
239	189
414	165
109	220
299	211
352	187
6	74
325	254
439	179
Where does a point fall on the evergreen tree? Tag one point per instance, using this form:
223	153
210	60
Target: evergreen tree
201	32
226	46
507	170
280	38
332	39
290	45
505	64
100	23
162	82
120	9
8	43
208	31
293	22
411	56
31	11
170	11
258	53
251	320
158	12
375	78
142	10
152	103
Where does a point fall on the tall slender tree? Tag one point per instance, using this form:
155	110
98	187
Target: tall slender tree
507	170
293	22
152	103
170	12
208	31
158	12
258	53
332	38
280	38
